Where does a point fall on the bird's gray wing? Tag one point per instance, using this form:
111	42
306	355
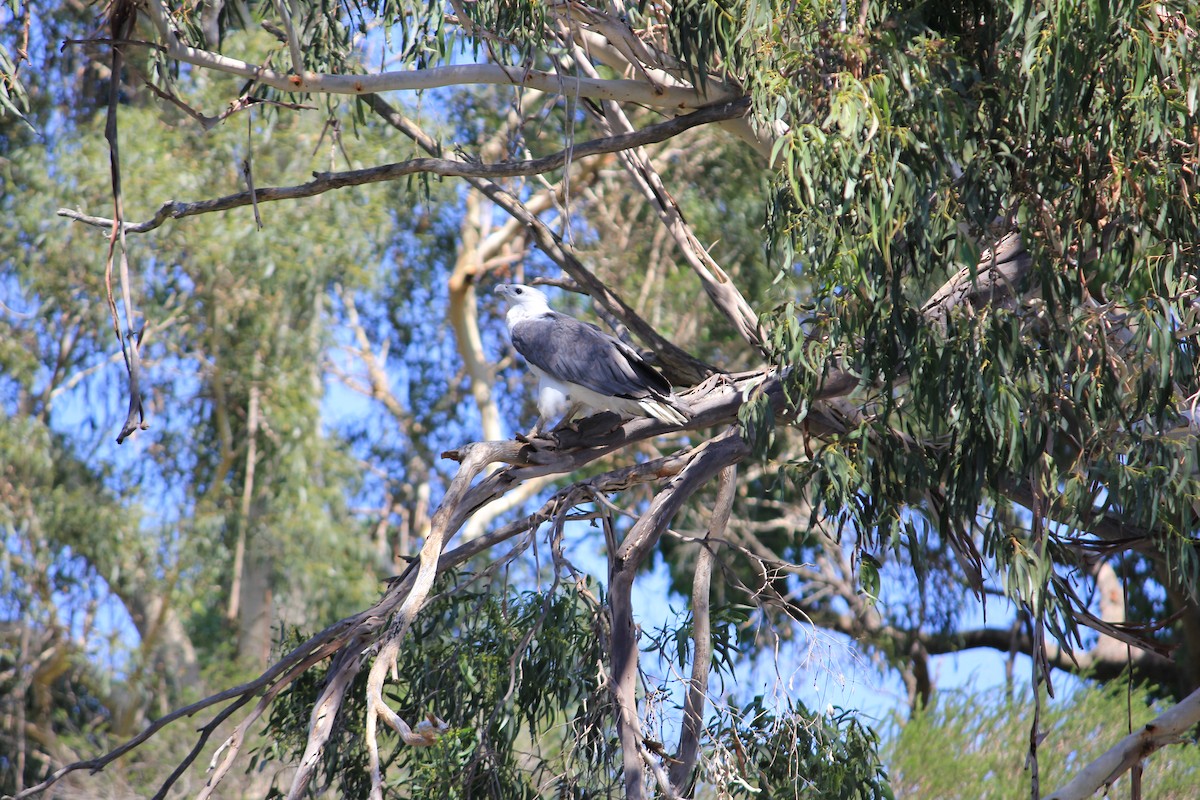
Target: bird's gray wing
573	351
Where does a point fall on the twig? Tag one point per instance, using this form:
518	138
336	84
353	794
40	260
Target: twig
248	170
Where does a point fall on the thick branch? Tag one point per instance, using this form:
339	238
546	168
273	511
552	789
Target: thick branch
1102	664
995	280
1165	730
321	722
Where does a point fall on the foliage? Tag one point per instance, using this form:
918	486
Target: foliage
972	745
795	754
940	131
513	673
1006	436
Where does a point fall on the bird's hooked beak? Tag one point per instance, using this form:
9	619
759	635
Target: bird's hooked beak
504	290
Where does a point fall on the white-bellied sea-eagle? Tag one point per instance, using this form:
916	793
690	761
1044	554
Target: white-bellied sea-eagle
580	367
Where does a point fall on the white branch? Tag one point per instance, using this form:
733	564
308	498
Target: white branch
1166	729
624	91
606	52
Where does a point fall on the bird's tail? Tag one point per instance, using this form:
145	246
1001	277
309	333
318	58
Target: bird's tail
667	411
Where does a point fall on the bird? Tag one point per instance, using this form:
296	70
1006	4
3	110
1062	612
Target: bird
579	366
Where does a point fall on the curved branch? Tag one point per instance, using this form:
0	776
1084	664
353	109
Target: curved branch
1103	664
996	280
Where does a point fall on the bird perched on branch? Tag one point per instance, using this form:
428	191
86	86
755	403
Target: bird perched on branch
580	367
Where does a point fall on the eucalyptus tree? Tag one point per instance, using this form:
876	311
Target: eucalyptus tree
965	365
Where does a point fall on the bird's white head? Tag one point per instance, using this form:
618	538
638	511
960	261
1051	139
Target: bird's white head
523	301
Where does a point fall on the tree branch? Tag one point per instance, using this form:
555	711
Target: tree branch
1166	729
628	91
327	181
716	282
324	714
702	647
711	458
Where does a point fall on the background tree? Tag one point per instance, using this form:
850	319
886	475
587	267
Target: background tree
959	362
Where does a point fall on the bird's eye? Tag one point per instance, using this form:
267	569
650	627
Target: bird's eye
519	291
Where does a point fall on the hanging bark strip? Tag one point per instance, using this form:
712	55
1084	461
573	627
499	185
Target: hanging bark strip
122	20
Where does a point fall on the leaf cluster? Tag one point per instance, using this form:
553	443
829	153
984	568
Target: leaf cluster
1069	399
794	753
514	675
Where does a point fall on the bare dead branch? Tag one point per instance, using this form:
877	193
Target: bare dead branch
327	181
716	282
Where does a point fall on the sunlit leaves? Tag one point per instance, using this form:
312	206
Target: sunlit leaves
973	746
794	753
